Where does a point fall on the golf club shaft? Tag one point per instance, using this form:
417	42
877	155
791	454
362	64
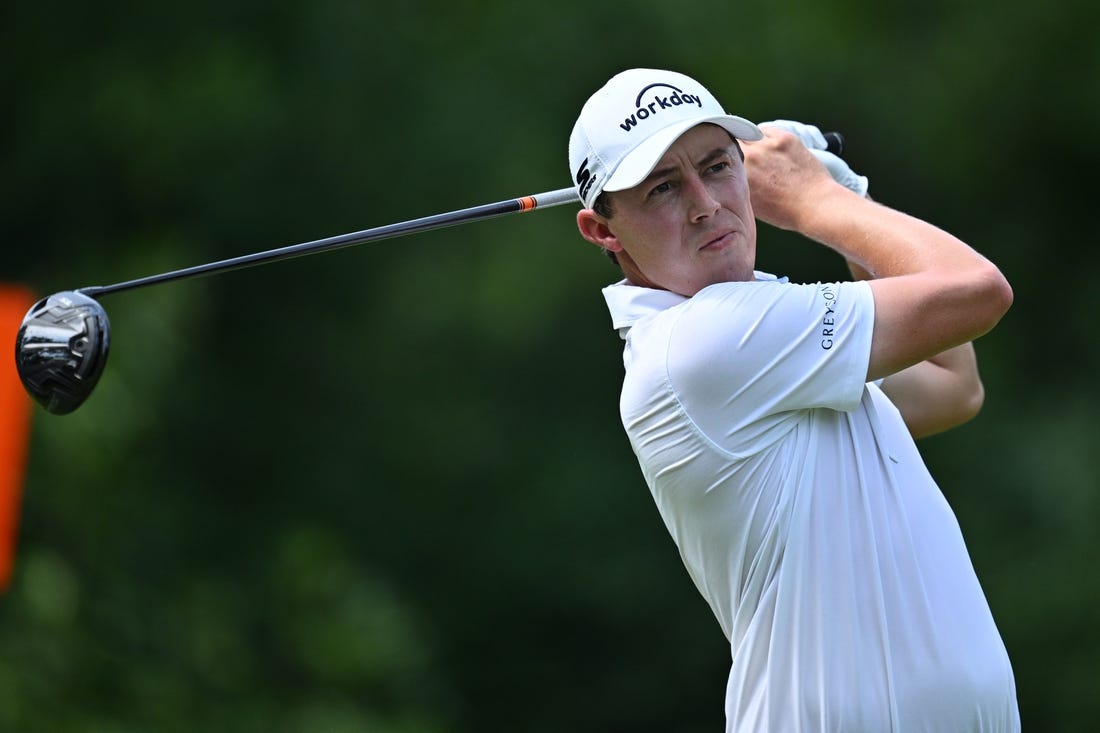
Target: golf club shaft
476	213
427	223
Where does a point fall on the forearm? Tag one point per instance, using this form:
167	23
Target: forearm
883	242
939	393
792	190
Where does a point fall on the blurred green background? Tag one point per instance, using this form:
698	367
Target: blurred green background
386	489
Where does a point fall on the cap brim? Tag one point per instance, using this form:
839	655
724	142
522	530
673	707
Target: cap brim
640	161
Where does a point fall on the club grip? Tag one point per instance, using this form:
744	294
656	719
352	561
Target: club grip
834	143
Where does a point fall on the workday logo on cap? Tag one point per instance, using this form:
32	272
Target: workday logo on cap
625	127
672	98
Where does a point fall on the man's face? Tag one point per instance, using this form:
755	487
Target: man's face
690	223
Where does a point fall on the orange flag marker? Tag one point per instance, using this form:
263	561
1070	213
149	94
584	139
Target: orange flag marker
15	425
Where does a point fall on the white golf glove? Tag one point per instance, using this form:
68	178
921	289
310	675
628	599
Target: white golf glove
812	138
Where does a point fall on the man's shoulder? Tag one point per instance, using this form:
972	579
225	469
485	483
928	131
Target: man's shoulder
732	301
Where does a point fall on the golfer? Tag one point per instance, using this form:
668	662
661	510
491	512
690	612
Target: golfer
774	422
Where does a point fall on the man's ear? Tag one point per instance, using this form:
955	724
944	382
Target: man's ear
593	227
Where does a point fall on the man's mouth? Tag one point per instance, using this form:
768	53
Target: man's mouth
717	242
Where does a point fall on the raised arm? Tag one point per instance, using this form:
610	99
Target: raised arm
938	393
932	292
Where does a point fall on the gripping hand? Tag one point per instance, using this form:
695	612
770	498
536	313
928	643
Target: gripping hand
812	138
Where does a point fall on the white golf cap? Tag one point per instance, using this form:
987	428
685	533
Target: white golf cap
625	127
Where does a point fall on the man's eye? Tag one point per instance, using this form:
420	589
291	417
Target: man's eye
718	167
661	188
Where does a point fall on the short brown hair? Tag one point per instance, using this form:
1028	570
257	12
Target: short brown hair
602	206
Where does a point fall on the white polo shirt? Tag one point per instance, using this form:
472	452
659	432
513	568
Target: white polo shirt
804	513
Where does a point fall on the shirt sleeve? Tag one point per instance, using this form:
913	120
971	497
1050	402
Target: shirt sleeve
743	357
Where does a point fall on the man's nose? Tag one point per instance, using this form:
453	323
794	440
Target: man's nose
701	203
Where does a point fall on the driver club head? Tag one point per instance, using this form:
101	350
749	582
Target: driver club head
61	350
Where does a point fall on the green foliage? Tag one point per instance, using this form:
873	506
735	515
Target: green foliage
386	489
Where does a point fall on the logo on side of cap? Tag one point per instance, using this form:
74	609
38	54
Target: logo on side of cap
659	102
585	179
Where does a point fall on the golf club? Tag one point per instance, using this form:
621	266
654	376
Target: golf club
63	342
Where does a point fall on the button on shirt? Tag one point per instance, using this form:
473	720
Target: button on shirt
804	513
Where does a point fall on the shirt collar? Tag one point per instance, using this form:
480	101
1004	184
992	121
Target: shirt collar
630	303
